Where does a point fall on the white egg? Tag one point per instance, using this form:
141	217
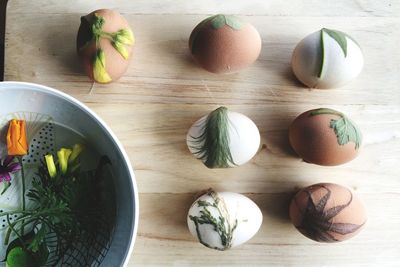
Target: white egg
223	139
221	220
334	52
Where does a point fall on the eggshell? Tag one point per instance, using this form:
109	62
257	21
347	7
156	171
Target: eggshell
244	137
327	212
338	68
224	50
116	65
236	209
314	140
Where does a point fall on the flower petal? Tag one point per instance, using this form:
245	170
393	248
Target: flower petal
5	177
8	160
14	167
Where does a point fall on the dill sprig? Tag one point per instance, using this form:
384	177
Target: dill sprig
212	145
221	224
68	210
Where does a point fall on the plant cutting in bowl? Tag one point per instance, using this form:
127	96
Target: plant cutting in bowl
68	212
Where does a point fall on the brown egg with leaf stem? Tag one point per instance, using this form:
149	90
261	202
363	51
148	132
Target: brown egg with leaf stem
325	137
327	212
224	44
104	44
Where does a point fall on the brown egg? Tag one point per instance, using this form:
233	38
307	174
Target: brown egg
116	33
224	44
327	212
325	137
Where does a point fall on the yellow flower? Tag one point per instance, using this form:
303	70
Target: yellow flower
99	68
125	36
121	49
17	144
76	151
63	156
51	167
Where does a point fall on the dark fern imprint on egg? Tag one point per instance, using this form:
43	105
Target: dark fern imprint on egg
317	221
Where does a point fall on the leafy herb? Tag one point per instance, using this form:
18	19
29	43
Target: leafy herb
318	221
321	67
217	22
67	214
340	38
18	257
18	252
93	25
212	145
221	224
344	128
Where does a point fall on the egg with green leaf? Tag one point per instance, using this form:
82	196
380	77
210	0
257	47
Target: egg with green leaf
223	220
223	139
327	59
105	43
224	44
325	137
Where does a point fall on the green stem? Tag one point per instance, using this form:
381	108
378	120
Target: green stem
322	54
12	212
107	34
11	229
23	188
322	111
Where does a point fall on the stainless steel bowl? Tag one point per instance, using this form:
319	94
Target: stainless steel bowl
16	97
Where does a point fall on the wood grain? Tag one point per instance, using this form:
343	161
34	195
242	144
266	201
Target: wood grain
151	108
339	8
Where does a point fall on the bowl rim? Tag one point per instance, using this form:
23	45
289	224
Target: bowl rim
106	128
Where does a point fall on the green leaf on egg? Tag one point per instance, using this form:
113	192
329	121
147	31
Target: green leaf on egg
221	223
220	21
120	39
340	38
346	131
234	22
212	145
217	22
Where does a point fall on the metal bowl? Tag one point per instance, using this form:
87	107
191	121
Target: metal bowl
18	97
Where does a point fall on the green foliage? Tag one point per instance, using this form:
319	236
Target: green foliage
346	131
221	224
66	206
341	40
119	39
18	257
18	252
339	37
212	145
219	21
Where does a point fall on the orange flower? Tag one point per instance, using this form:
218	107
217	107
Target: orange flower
16	138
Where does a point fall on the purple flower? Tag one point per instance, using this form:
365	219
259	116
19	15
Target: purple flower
7	167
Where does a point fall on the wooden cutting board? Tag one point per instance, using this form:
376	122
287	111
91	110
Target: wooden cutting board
151	108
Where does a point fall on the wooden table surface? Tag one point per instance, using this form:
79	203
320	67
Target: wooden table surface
151	108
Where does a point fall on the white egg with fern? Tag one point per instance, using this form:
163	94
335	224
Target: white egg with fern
327	59
222	220
223	139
